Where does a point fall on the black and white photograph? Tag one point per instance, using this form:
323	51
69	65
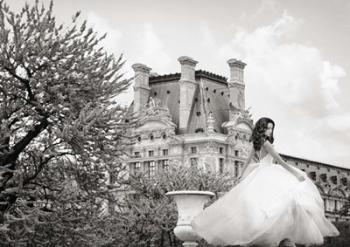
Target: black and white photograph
169	123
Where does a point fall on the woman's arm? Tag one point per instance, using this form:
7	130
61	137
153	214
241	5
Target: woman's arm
269	148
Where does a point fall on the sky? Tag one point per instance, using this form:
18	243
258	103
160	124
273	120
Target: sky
297	55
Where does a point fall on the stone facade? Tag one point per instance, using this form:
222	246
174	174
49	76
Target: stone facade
198	118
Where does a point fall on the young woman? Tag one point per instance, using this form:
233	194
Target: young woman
271	203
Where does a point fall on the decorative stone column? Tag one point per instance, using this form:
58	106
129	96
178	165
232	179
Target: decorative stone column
210	123
187	89
141	86
236	86
189	204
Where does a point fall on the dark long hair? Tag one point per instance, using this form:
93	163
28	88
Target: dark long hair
258	136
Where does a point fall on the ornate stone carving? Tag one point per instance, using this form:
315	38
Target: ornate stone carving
211	147
153	111
210	122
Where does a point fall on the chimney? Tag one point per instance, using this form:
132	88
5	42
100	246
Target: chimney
141	86
187	89
236	84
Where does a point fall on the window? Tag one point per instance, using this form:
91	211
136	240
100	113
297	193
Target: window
146	166
152	168
137	167
193	162
151	137
334	179
164	164
221	150
137	154
150	153
193	150
236	168
221	165
165	152
312	175
164	136
198	130
344	181
236	153
139	138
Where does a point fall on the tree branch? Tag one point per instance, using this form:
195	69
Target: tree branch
11	157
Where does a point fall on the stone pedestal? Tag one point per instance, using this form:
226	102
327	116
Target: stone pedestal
189	204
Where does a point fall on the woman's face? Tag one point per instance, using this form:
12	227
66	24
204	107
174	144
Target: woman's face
269	129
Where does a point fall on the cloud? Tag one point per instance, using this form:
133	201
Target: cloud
152	49
112	41
329	83
144	46
292	73
293	84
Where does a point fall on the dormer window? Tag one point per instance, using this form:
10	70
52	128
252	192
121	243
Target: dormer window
199	130
312	175
334	179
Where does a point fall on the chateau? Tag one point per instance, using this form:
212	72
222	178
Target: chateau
198	118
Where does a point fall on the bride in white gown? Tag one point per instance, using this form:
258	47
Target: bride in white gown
271	203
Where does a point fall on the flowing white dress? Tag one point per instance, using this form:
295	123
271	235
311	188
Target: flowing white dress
267	206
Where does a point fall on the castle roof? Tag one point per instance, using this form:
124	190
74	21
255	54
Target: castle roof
177	76
211	95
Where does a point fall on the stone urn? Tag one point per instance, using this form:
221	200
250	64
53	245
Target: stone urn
189	203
